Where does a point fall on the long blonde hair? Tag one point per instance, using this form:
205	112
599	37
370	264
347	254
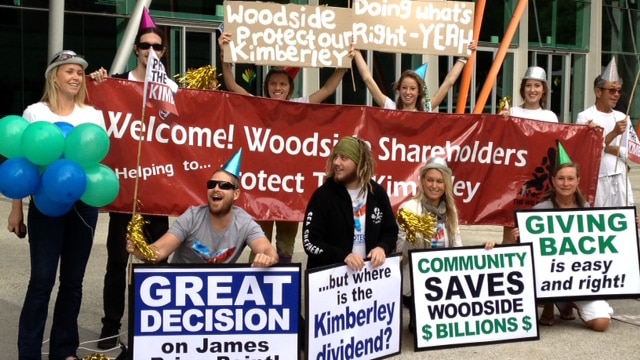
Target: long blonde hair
50	95
364	168
450	202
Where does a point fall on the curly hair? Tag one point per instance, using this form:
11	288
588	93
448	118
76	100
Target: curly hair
420	101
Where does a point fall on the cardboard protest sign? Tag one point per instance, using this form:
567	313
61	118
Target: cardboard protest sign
473	296
354	315
415	27
291	35
583	253
221	312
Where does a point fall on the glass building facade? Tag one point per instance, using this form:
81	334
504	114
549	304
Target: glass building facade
572	39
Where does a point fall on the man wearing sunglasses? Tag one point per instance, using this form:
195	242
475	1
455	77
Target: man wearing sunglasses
614	188
214	233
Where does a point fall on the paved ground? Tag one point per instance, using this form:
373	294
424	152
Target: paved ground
565	340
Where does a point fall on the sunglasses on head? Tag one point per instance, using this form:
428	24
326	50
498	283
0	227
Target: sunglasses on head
146	46
223	185
65	55
612	91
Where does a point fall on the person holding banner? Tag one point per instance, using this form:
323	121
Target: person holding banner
411	89
214	233
565	194
614	188
64	240
278	84
149	38
349	218
533	90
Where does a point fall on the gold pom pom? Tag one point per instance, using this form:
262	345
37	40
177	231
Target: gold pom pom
203	78
504	104
96	356
413	224
135	233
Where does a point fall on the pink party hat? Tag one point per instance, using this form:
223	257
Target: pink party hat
611	72
146	22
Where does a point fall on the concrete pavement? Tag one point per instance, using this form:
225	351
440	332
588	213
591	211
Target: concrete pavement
565	340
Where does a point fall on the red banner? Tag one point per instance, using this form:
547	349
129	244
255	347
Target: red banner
499	165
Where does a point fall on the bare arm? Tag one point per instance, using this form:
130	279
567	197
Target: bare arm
328	88
163	247
448	82
266	254
16	218
451	78
377	95
227	70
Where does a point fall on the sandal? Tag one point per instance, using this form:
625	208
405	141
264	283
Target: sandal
547	320
566	313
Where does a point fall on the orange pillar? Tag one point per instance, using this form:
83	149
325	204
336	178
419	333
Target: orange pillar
502	51
465	82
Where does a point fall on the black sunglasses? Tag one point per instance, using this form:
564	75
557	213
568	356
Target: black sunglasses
223	185
65	55
146	46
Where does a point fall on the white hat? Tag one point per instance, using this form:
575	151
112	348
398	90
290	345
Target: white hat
535	73
436	163
65	57
611	72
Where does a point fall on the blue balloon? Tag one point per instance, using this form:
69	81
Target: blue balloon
65	127
48	206
64	181
19	178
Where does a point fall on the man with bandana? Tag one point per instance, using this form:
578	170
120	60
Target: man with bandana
349	218
216	232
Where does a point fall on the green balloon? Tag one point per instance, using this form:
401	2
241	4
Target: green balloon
11	130
102	186
42	142
87	144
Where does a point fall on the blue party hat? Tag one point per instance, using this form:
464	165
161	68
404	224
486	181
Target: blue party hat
422	70
233	165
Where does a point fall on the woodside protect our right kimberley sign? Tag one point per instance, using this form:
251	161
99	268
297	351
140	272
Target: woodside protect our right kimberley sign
321	36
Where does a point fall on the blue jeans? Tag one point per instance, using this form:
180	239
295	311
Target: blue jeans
67	239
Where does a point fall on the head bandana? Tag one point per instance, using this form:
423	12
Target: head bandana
350	147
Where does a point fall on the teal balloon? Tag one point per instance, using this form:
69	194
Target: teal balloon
11	129
86	144
42	143
102	186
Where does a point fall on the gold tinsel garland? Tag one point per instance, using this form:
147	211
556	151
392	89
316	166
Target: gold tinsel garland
413	225
135	233
203	78
96	356
504	104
